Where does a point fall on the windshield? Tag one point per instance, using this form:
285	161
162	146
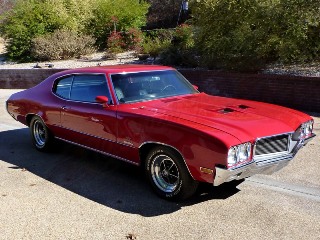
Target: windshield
144	86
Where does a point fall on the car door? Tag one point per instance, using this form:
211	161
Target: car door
85	121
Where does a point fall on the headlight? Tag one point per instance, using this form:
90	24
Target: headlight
232	155
304	131
239	153
308	128
244	152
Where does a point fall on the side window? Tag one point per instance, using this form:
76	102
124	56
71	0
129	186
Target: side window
87	87
63	87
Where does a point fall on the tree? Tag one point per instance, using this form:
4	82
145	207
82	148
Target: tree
250	33
29	19
163	13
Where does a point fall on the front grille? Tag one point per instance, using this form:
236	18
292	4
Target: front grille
275	144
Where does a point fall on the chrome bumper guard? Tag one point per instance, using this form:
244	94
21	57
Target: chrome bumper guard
274	164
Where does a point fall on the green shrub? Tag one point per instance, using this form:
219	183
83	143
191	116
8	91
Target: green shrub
61	44
162	34
183	36
181	51
116	42
163	13
154	46
248	34
133	39
116	15
31	18
122	41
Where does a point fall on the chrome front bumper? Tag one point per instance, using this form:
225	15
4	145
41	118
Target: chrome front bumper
278	162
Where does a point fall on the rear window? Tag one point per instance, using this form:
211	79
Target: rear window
63	87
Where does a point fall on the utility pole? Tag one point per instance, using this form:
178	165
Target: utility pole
183	7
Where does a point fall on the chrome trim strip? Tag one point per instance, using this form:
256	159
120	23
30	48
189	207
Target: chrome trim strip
302	143
105	139
170	69
270	166
225	175
77	101
276	135
36	114
96	150
306	140
123	73
146	71
163	144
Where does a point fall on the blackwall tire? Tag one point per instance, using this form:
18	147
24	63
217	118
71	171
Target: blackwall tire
41	136
168	174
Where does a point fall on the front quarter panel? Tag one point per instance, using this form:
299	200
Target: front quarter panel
200	146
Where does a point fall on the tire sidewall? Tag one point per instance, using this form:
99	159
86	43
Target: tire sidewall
176	194
45	146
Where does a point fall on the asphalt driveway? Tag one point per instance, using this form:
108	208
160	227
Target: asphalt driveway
74	193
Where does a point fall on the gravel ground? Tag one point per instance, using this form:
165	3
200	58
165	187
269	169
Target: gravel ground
312	69
95	59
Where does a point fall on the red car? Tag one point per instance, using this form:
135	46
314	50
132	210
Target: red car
153	117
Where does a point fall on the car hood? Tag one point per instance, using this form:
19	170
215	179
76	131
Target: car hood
245	120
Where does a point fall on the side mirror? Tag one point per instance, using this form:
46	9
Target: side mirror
102	99
195	87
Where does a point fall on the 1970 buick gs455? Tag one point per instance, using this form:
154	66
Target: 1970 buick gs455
153	117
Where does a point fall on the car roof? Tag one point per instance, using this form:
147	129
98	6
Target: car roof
117	69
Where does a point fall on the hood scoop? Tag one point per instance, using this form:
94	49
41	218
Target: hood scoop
243	106
226	110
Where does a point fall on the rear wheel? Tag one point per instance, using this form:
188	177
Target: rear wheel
168	175
41	137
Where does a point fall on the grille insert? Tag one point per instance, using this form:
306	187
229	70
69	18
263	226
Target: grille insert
275	144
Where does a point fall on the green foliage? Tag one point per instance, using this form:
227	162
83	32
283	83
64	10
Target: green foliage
61	44
116	15
31	18
154	46
122	41
247	34
181	51
116	42
163	13
155	42
133	39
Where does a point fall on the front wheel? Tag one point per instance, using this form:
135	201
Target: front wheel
168	175
41	137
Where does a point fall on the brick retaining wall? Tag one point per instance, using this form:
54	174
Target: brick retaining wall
296	92
23	78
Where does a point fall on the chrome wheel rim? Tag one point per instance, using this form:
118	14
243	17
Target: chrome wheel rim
39	133
165	173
